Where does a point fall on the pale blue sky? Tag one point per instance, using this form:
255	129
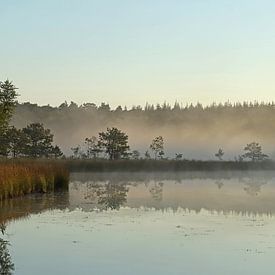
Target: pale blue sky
132	52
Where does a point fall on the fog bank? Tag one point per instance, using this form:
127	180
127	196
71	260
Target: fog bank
195	131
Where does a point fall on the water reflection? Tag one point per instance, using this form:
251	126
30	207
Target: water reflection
178	216
252	193
221	192
20	208
6	264
157	191
253	186
110	195
219	184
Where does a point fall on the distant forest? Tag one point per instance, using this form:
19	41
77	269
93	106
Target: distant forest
196	131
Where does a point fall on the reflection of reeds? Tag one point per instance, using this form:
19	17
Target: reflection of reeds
24	177
22	207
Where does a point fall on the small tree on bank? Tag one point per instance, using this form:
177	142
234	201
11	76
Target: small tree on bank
178	156
157	146
56	152
93	148
147	155
17	141
77	153
115	143
39	142
135	154
254	152
219	154
4	144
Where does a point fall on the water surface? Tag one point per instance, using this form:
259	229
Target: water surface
135	223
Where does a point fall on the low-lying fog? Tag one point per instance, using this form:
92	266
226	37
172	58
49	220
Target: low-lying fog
194	131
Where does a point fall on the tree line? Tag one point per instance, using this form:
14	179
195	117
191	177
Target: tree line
164	107
35	141
113	144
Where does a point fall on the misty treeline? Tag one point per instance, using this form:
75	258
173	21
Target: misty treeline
195	131
113	144
191	131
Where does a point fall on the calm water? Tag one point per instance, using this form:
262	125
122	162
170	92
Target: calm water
134	223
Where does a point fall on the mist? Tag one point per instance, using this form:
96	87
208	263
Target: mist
195	131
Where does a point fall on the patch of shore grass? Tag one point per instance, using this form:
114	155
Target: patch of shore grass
21	177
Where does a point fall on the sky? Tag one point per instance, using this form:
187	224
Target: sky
126	52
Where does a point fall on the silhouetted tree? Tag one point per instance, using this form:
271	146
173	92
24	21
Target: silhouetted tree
178	156
118	109
104	107
17	141
4	143
56	152
73	106
7	103
93	148
114	142
157	146
254	152
39	141
89	107
161	154
63	105
135	154
147	155
76	152
219	154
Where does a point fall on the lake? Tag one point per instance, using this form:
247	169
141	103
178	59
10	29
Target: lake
144	223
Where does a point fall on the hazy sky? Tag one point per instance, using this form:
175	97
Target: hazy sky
133	51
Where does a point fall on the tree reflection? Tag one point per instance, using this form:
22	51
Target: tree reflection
157	191
6	264
253	186
219	183
110	195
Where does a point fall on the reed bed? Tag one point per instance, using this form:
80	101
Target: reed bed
18	178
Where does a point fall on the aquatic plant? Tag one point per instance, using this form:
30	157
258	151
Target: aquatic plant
19	178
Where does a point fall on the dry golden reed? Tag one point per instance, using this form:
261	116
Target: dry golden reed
18	178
